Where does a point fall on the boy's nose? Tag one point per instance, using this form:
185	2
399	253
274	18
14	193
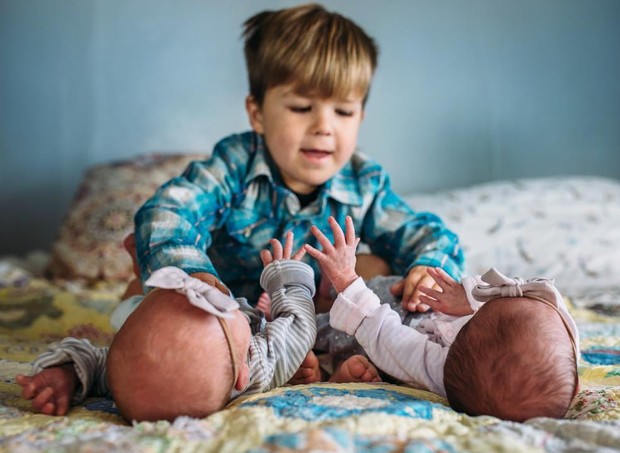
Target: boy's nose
322	124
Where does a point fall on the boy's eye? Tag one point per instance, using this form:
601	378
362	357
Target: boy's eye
343	112
300	108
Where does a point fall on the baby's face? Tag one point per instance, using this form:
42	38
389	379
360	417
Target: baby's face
309	138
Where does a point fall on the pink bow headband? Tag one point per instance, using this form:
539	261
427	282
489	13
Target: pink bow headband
497	285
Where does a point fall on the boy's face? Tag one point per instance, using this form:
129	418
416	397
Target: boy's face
309	138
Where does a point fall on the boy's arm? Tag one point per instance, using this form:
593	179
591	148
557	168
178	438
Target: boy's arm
173	228
407	238
89	363
398	350
284	342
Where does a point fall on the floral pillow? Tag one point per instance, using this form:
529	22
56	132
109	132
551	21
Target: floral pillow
89	244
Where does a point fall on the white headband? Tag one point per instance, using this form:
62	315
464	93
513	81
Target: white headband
199	293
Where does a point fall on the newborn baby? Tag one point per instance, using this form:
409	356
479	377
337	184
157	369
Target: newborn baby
186	348
494	346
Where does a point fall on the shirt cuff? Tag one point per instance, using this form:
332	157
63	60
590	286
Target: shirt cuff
352	306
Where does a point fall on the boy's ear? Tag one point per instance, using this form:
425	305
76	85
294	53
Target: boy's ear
254	114
243	378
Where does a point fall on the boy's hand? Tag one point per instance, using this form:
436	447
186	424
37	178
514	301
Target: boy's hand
337	260
50	390
409	288
280	253
211	280
451	300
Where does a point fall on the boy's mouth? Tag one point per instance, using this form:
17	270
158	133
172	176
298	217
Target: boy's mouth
313	153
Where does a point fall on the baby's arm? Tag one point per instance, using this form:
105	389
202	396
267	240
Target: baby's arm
65	374
285	341
398	350
451	300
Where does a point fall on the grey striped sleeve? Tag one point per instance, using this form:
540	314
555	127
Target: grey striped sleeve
88	360
278	350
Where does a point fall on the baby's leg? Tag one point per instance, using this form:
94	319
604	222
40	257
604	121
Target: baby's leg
309	371
356	369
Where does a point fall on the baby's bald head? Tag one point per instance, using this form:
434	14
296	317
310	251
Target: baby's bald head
169	358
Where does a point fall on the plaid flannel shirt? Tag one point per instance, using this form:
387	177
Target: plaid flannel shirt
223	211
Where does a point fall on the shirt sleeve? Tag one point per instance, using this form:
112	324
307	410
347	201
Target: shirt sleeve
279	348
400	351
88	360
173	228
408	238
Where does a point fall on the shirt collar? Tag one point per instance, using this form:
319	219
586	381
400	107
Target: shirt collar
342	187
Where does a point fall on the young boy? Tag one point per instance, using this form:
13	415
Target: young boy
186	348
498	346
310	72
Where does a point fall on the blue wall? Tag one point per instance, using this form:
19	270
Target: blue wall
466	91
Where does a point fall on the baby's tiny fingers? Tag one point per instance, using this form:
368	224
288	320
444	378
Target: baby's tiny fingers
266	257
430	292
299	254
350	232
288	245
277	249
325	243
425	300
43	397
339	238
314	252
441	277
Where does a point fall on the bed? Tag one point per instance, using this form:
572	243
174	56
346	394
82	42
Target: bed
567	228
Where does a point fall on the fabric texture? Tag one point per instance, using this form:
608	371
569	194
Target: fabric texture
564	228
232	204
89	244
417	356
275	352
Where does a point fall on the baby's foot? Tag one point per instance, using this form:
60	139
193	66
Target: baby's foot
309	371
264	305
356	368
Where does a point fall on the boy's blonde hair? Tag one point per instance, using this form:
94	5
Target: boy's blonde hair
513	360
319	52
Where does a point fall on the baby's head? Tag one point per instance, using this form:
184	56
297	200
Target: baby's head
515	359
171	358
319	52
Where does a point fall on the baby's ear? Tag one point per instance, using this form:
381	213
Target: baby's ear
243	378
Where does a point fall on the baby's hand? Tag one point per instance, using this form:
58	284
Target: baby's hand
50	390
451	300
280	253
337	260
409	288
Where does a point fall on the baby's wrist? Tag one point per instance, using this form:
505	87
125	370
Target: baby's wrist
345	282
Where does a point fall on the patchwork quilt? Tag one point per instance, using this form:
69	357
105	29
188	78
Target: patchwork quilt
507	225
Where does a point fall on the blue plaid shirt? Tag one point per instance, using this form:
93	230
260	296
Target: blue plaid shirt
223	211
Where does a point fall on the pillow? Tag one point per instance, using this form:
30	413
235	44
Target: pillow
566	228
89	244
